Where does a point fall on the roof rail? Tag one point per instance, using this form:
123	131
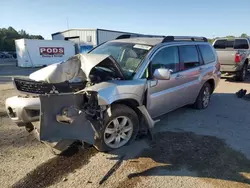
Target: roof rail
184	38
125	36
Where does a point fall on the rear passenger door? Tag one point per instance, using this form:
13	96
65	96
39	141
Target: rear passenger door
190	66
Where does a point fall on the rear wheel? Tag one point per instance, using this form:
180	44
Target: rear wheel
204	96
119	129
241	75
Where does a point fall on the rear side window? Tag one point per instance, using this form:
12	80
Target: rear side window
207	53
231	43
189	56
220	44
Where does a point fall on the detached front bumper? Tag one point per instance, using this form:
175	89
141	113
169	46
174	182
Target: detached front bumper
23	110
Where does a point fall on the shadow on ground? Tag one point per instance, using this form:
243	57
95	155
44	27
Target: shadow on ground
206	156
233	79
56	169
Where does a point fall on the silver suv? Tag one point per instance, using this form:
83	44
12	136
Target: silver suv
124	85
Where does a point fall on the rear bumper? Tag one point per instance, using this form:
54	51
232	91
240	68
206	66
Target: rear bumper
230	68
23	110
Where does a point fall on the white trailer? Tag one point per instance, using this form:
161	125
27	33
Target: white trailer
38	53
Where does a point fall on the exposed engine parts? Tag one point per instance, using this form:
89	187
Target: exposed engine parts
90	108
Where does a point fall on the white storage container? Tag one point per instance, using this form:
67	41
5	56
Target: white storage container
37	53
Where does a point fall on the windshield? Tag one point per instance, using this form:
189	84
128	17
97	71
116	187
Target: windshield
128	55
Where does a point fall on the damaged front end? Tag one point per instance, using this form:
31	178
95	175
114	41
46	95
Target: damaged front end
69	116
73	111
77	116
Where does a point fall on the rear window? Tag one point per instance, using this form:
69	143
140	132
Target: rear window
207	53
241	44
234	43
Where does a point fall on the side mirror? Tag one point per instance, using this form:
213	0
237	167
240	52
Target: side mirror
162	74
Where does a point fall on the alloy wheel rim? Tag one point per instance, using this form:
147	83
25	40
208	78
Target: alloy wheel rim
206	97
118	132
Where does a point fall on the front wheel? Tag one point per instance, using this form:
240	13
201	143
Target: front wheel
119	129
204	96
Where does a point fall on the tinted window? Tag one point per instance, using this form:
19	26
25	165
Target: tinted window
220	44
166	58
231	43
241	44
207	54
189	56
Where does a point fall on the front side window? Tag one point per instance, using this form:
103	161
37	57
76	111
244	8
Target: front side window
166	58
189	56
207	54
127	55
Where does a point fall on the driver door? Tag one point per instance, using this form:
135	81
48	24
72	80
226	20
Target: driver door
164	95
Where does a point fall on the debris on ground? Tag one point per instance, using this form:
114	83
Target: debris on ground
241	93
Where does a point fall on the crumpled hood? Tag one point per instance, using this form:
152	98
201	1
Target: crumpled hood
77	67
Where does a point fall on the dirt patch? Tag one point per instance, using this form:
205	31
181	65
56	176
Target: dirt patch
56	169
209	157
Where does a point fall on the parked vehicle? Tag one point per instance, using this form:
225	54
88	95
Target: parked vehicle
233	56
40	53
6	55
126	84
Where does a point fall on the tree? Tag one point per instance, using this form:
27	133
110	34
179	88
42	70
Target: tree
9	35
244	35
230	36
211	41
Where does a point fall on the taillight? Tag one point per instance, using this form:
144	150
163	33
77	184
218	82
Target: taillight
237	58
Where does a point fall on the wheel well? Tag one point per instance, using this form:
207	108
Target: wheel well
246	61
132	104
128	102
212	84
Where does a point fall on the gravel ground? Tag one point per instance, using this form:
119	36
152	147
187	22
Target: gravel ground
191	148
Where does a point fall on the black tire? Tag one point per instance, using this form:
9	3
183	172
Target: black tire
116	111
241	75
199	103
